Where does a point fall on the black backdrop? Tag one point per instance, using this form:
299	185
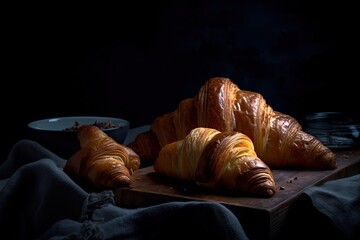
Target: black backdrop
139	60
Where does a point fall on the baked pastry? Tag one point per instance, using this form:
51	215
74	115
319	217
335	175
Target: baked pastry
217	160
278	138
101	162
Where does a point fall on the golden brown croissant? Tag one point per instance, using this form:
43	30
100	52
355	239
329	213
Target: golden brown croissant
101	161
215	159
278	138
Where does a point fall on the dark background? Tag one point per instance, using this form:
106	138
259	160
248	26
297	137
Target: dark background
140	59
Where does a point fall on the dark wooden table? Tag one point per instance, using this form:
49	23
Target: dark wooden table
268	214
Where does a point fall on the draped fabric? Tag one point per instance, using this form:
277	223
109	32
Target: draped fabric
38	200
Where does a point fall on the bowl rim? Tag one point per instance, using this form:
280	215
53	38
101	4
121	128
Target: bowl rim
47	122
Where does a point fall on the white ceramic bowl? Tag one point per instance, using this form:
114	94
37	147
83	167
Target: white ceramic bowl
59	134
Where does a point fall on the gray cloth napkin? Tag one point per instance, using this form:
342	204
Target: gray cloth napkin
327	211
38	200
340	201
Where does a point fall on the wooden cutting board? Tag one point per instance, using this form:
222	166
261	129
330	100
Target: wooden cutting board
149	188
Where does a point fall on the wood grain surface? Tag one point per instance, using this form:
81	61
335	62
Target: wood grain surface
149	188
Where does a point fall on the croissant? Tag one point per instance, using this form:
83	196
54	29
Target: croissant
214	159
278	138
101	161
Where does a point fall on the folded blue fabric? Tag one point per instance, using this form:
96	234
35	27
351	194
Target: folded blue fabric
339	200
327	211
38	200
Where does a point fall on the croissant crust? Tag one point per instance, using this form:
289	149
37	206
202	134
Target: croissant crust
214	159
101	161
278	138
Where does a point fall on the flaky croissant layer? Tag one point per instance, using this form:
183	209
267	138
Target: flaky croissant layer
215	159
278	138
101	161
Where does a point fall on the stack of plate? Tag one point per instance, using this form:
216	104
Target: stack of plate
336	130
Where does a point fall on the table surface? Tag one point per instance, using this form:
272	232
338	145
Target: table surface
149	188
